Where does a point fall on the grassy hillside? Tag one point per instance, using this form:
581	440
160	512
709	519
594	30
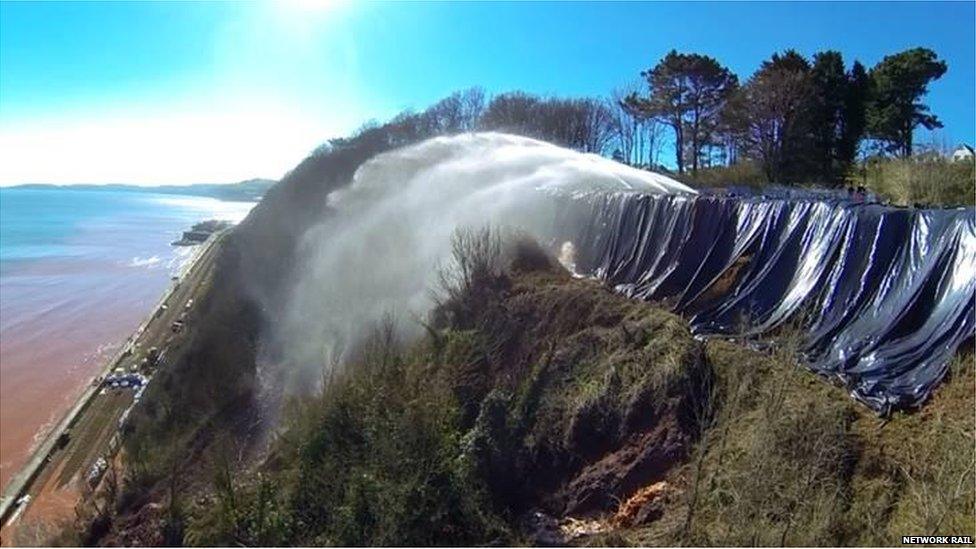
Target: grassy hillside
531	391
787	459
545	409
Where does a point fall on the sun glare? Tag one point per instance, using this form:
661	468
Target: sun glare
311	6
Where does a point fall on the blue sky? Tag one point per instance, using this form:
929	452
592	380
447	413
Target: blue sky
217	92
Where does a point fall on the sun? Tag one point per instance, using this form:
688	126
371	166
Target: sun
305	19
310	6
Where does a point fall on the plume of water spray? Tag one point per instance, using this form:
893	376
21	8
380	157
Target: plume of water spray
390	230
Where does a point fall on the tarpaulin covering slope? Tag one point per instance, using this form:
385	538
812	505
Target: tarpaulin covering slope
884	296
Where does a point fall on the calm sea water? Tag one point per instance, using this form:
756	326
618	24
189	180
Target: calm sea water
78	272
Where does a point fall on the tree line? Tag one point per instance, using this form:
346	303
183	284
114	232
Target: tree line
799	119
796	119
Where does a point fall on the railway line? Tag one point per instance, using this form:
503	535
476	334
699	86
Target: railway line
65	466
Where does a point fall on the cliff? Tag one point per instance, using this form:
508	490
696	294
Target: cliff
537	408
545	409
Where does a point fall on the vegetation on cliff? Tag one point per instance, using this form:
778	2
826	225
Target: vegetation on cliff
531	390
552	444
545	409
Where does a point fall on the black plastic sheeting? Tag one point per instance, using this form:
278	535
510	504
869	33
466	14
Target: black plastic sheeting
884	296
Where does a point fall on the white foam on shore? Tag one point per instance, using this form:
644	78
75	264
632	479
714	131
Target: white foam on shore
145	261
182	257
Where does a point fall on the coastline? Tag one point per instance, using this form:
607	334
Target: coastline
22	482
79	270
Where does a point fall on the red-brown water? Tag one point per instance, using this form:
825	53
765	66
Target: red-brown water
78	272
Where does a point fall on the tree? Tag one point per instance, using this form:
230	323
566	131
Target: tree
511	112
898	83
623	125
837	114
582	124
635	134
826	118
459	112
853	120
771	118
686	92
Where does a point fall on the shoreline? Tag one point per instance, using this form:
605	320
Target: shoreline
22	481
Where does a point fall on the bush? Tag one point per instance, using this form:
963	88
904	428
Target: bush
378	462
925	181
741	173
786	459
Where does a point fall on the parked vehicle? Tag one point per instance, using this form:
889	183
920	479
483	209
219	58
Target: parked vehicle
96	471
63	440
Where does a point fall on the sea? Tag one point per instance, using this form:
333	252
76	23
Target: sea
79	269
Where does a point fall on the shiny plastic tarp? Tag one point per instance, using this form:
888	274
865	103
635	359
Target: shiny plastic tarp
884	296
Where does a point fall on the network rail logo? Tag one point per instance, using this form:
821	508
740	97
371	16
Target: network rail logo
936	540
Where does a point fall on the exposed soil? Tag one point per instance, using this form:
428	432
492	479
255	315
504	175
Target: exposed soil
643	460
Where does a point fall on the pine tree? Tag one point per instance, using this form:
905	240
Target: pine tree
687	93
853	119
898	83
771	116
830	92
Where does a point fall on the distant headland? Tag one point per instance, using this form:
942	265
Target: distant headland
250	190
201	232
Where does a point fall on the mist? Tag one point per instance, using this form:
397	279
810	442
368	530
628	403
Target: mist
386	235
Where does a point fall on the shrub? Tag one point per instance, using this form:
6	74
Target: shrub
925	181
379	463
790	460
741	173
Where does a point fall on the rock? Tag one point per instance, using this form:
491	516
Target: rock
200	232
644	458
548	531
646	505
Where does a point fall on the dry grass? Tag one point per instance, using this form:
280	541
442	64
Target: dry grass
791	460
528	379
742	173
932	182
927	459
